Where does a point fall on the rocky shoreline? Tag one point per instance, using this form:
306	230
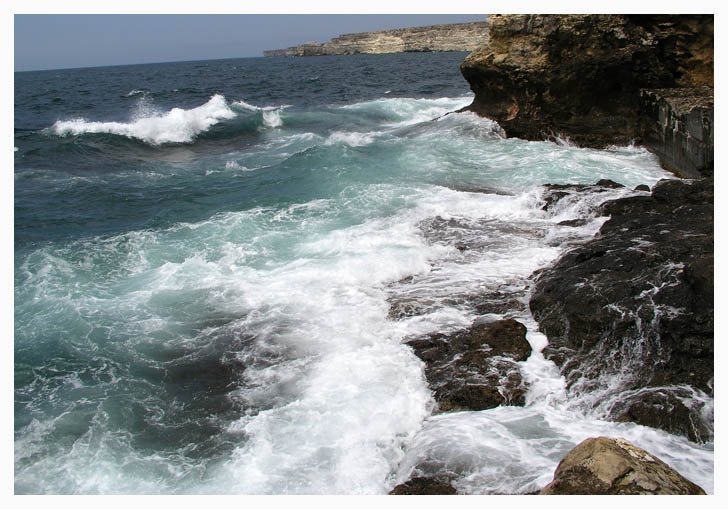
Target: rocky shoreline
629	315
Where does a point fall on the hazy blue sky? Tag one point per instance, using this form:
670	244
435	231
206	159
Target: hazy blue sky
58	41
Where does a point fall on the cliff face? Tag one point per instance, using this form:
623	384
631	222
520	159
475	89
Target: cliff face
452	37
677	125
579	76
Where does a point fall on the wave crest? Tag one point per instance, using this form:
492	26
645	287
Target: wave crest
271	114
175	126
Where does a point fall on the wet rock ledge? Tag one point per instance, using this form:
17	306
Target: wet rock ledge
476	368
629	315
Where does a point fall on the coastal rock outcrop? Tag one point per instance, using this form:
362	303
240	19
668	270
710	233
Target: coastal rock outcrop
579	76
606	466
629	315
477	368
449	37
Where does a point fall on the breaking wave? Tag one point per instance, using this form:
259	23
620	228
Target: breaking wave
177	125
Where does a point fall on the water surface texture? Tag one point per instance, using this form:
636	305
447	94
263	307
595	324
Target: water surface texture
205	258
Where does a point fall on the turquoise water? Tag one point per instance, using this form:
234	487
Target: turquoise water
206	253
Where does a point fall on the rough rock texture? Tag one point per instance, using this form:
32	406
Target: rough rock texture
579	76
450	37
629	315
477	368
424	486
605	466
677	125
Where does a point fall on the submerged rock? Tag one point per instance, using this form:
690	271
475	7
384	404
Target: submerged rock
580	76
606	466
477	368
424	486
629	315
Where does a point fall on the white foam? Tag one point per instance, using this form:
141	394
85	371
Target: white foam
353	139
252	107
272	118
407	111
234	165
510	450
175	126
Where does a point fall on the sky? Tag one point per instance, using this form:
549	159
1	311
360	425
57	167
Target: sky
60	41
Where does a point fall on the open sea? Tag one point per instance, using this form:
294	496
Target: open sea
205	258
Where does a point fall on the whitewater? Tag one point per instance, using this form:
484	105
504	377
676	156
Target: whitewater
207	253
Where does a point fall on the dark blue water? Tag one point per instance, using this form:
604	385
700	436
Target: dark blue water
205	254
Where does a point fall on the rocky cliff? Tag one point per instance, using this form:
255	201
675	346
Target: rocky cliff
629	315
451	37
580	76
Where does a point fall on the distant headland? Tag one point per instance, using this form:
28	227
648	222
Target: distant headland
450	37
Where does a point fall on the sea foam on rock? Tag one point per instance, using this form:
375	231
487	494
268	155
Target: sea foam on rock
476	368
629	315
